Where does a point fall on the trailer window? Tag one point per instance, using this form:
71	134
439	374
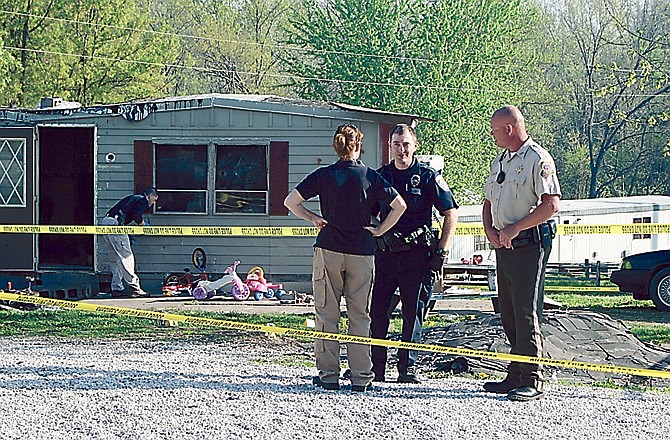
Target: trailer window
12	173
241	179
181	178
641	220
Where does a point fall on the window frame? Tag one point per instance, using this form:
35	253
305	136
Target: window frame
23	162
643	219
211	191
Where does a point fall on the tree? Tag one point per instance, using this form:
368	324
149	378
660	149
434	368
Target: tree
227	46
89	51
615	69
476	51
352	51
451	61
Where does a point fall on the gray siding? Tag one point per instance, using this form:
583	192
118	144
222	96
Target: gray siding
309	137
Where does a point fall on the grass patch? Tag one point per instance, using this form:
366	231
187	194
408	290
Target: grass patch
81	324
558	280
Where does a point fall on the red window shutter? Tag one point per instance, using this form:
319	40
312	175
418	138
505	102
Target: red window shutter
278	177
144	166
384	132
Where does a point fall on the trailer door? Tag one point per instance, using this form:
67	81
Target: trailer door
17	197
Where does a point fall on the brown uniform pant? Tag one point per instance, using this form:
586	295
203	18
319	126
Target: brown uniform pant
335	275
521	275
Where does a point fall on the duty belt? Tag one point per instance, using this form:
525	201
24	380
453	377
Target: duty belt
120	218
397	242
540	234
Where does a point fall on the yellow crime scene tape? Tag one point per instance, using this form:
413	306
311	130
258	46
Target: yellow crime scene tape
462	229
149	314
225	231
580	289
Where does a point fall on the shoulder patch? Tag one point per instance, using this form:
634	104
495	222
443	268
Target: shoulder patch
547	168
441	182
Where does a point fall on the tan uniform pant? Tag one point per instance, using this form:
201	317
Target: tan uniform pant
121	258
335	275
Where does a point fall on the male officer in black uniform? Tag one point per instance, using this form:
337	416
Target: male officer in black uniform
121	258
522	194
404	257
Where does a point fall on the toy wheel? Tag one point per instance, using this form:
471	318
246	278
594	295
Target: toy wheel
269	294
171	279
199	259
200	293
279	293
256	268
258	295
240	293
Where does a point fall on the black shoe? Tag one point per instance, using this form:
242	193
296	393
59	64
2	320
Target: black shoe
503	387
333	386
362	388
525	393
409	376
378	378
117	293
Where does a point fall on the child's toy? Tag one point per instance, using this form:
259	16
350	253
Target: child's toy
27	291
184	283
207	289
260	287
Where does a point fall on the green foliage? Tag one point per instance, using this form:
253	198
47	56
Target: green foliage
225	46
89	51
607	91
454	62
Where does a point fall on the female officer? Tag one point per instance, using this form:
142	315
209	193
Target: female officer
343	263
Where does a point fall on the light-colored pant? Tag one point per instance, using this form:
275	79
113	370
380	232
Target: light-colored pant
335	275
121	258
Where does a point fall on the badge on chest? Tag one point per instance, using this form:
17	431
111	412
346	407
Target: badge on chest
414	181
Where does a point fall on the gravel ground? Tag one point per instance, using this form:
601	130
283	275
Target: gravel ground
231	388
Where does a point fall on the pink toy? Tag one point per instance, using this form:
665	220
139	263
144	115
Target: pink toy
207	289
260	287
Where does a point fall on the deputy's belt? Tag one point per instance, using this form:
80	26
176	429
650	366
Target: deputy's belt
540	234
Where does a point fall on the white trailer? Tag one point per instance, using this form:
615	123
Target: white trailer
577	248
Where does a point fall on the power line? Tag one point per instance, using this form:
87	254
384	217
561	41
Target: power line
252	43
282	75
279	75
278	46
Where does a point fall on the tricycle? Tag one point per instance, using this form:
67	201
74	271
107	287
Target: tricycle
260	287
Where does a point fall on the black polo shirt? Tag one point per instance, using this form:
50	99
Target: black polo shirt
422	188
132	207
347	191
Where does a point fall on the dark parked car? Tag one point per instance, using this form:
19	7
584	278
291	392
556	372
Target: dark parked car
647	275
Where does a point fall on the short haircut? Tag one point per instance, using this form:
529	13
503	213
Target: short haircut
151	191
402	129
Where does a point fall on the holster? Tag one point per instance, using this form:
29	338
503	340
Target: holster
542	234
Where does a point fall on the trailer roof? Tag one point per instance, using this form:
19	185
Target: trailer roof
609	205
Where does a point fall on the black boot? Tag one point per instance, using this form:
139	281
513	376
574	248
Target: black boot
503	387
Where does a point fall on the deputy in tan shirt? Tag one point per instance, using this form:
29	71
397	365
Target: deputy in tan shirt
522	193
